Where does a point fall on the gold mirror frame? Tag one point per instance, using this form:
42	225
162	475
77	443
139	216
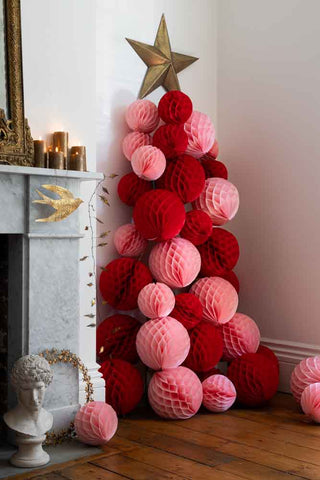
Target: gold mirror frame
16	145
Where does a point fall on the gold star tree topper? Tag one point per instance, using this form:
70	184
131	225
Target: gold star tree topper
163	64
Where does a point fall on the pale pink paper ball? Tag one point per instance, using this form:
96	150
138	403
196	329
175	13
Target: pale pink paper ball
201	134
305	373
142	116
219	199
96	423
156	300
175	262
310	401
148	162
219	393
240	335
218	298
134	140
175	393
128	241
163	343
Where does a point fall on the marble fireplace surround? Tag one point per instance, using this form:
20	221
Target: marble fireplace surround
44	303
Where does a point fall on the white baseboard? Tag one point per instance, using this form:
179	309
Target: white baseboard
97	382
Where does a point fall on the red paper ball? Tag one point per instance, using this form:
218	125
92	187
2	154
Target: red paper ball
269	353
255	377
171	139
121	281
159	215
175	107
188	310
206	347
116	338
219	253
213	168
197	227
184	176
124	385
131	187
232	278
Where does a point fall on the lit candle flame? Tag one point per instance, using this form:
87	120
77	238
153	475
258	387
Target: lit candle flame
57	149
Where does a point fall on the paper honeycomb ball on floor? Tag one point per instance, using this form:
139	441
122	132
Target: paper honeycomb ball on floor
305	373
134	140
162	343
159	215
255	378
175	107
116	338
187	310
131	188
240	335
197	227
148	162
219	253
219	393
121	281
214	168
142	116
205	347
218	298
124	385
128	241
310	401
184	176
96	423
214	150
175	262
171	139
263	350
156	300
232	278
219	199
200	133
175	393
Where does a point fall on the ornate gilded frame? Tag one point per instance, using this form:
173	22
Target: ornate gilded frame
16	145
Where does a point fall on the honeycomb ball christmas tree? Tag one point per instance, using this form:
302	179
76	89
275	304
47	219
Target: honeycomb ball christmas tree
219	253
142	116
310	401
148	162
128	241
240	335
187	310
304	374
156	300
96	423
200	133
219	393
133	141
205	347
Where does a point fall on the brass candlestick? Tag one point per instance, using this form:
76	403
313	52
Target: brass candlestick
78	159
40	154
60	142
56	160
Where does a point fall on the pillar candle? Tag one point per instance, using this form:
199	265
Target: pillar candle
40	153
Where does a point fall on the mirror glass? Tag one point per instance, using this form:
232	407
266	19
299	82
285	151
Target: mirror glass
3	69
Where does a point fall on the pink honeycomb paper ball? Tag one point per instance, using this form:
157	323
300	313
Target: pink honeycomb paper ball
175	393
305	373
310	401
134	140
219	393
240	335
201	134
163	343
219	199
142	116
96	423
156	300
175	262
128	241
148	162
218	298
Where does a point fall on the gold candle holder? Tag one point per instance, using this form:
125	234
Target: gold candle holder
56	159
40	154
60	142
78	159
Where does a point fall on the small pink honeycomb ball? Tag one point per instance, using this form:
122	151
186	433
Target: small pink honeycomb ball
175	393
310	401
175	262
240	335
219	393
156	300
134	140
142	116
96	423
305	373
218	298
201	134
163	343
219	199
128	241
148	162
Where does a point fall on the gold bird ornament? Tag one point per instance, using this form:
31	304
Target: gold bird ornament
63	206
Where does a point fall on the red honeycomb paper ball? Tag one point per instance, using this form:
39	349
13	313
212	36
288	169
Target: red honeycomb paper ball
159	215
219	393
171	139
128	241
121	281
124	385
240	335
184	176
175	393
175	107
304	374
134	140
255	378
188	310
116	338
148	162
232	278
95	423
142	116
213	168
201	134
269	353
219	253
197	227
131	188
206	347
156	300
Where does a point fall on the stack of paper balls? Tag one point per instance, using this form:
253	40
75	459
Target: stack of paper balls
180	197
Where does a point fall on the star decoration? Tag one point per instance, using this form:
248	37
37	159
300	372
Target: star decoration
163	64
